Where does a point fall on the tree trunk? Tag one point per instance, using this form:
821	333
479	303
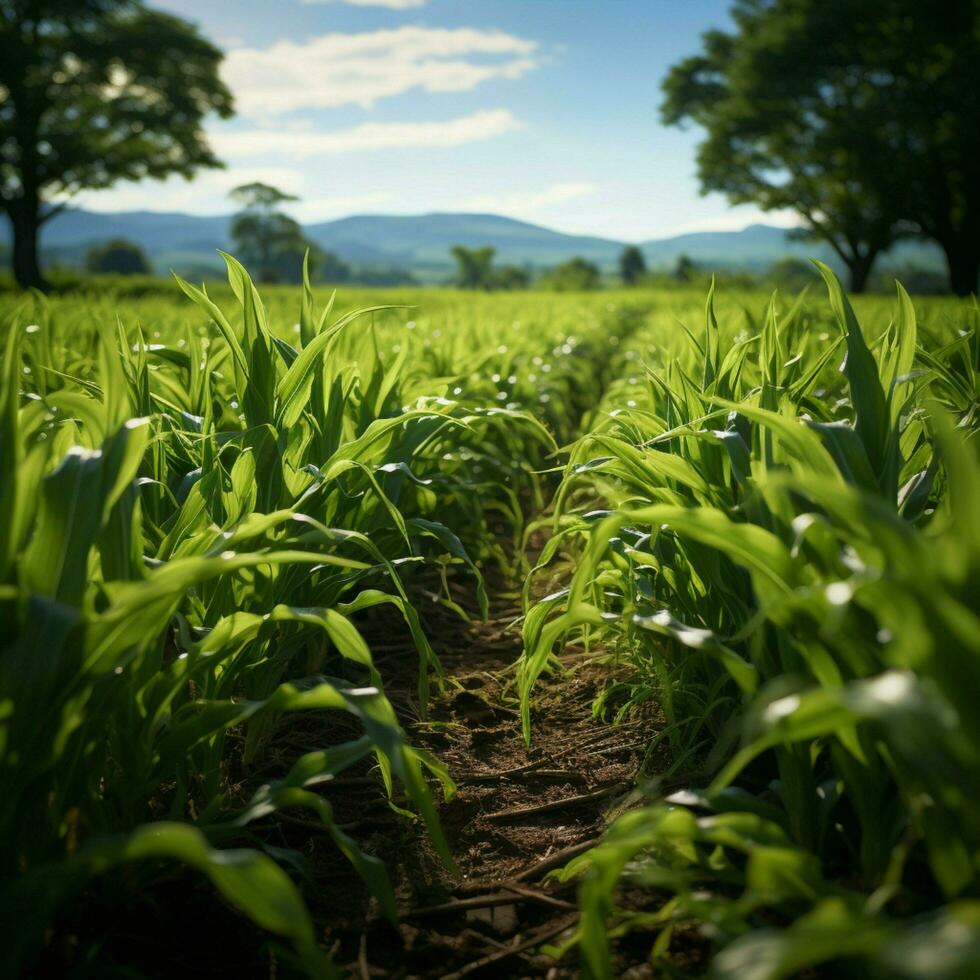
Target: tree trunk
963	259
25	217
859	268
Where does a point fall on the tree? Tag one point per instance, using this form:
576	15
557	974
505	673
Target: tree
119	256
474	266
475	270
269	242
766	144
862	115
511	277
915	69
684	268
93	92
574	275
632	265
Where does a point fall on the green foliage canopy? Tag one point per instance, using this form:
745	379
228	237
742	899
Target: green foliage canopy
92	92
474	266
632	265
863	116
272	242
684	268
766	145
574	275
119	256
475	270
512	277
912	74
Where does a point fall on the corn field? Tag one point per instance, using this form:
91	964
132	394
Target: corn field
760	514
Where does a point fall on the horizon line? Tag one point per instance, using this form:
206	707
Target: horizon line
681	231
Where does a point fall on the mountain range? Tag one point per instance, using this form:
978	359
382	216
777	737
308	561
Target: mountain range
420	244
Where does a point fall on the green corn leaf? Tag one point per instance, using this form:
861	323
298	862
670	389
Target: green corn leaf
867	395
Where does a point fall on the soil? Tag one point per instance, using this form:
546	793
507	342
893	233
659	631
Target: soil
519	811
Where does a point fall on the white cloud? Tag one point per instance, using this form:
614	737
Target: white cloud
736	220
206	194
390	4
303	144
358	69
522	203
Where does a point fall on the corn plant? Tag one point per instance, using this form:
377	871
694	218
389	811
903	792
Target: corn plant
203	502
787	555
192	531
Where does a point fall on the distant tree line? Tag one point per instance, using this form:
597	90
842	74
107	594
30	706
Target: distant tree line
862	116
123	258
475	270
574	275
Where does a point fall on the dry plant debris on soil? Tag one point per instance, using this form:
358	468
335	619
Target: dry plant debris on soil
518	813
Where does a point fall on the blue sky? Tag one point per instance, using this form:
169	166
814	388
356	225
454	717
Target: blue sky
545	110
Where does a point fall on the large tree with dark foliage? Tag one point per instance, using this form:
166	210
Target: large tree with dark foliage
861	115
92	92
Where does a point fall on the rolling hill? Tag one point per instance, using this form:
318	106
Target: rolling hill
420	244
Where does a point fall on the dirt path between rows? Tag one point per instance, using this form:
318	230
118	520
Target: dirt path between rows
518	812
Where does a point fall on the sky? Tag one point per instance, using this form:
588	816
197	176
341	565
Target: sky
543	110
